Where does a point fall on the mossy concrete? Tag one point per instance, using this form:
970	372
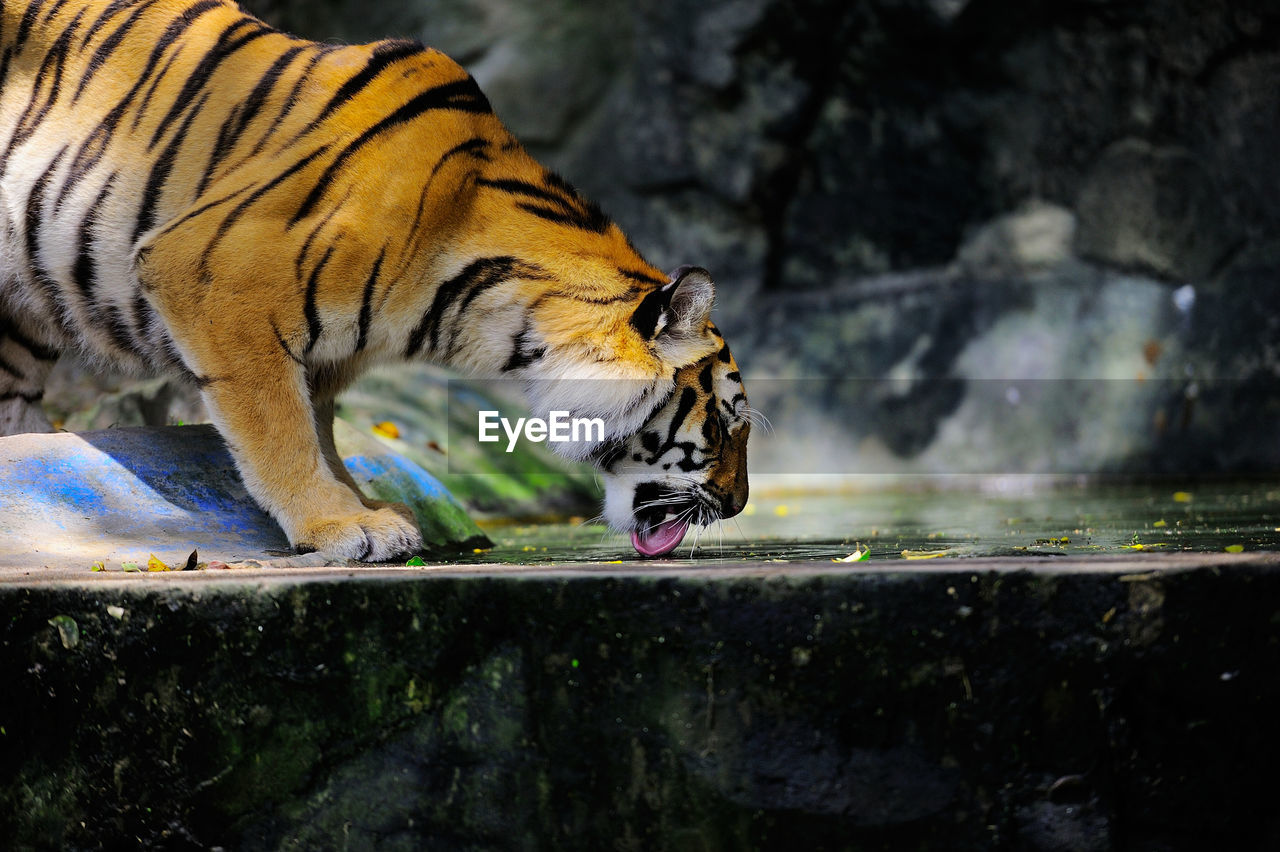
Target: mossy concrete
971	704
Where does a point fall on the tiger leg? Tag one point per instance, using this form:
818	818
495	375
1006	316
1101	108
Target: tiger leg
256	393
24	366
322	407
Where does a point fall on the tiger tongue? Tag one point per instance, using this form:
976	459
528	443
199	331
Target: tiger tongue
661	539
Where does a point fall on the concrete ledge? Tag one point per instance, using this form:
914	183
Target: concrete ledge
973	704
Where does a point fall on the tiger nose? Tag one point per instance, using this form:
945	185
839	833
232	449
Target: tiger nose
732	504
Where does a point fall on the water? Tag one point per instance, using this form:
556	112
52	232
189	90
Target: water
910	524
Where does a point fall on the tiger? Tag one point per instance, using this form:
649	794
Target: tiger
189	191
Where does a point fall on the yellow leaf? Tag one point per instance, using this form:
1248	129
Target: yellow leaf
98	566
856	556
924	554
781	511
1234	548
1182	496
154	564
1160	523
386	429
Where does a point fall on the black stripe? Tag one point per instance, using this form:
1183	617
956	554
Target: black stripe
50	74
143	316
463	95
687	398
34	219
384	54
84	272
229	41
113	41
567	209
232	217
520	187
53	13
144	106
37	350
473	147
306	244
4	66
366	302
572	220
643	277
107	14
244	114
292	99
12	369
479	275
28	20
285	346
314	328
93	148
25	397
160	174
704	378
520	356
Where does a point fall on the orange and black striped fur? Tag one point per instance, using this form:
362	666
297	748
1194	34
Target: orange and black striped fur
187	190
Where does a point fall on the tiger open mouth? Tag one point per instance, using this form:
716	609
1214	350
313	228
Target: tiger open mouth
664	515
660	538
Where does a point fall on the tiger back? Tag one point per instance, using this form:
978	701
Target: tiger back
189	191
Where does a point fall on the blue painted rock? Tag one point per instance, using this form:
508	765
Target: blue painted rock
70	500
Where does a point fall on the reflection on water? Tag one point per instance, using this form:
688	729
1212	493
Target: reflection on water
926	524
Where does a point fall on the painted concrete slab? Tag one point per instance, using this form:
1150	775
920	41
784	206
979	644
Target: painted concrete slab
70	500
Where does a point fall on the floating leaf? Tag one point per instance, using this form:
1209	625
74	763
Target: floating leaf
1234	548
1182	496
416	562
191	562
924	554
98	566
1160	523
154	564
129	567
856	556
386	429
218	565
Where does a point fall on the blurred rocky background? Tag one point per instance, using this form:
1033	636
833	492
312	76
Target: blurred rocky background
996	236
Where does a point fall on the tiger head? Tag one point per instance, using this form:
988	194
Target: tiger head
674	452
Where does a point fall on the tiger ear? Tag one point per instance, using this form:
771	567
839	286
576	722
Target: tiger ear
679	309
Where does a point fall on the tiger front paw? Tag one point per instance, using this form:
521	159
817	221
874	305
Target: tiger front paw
371	536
